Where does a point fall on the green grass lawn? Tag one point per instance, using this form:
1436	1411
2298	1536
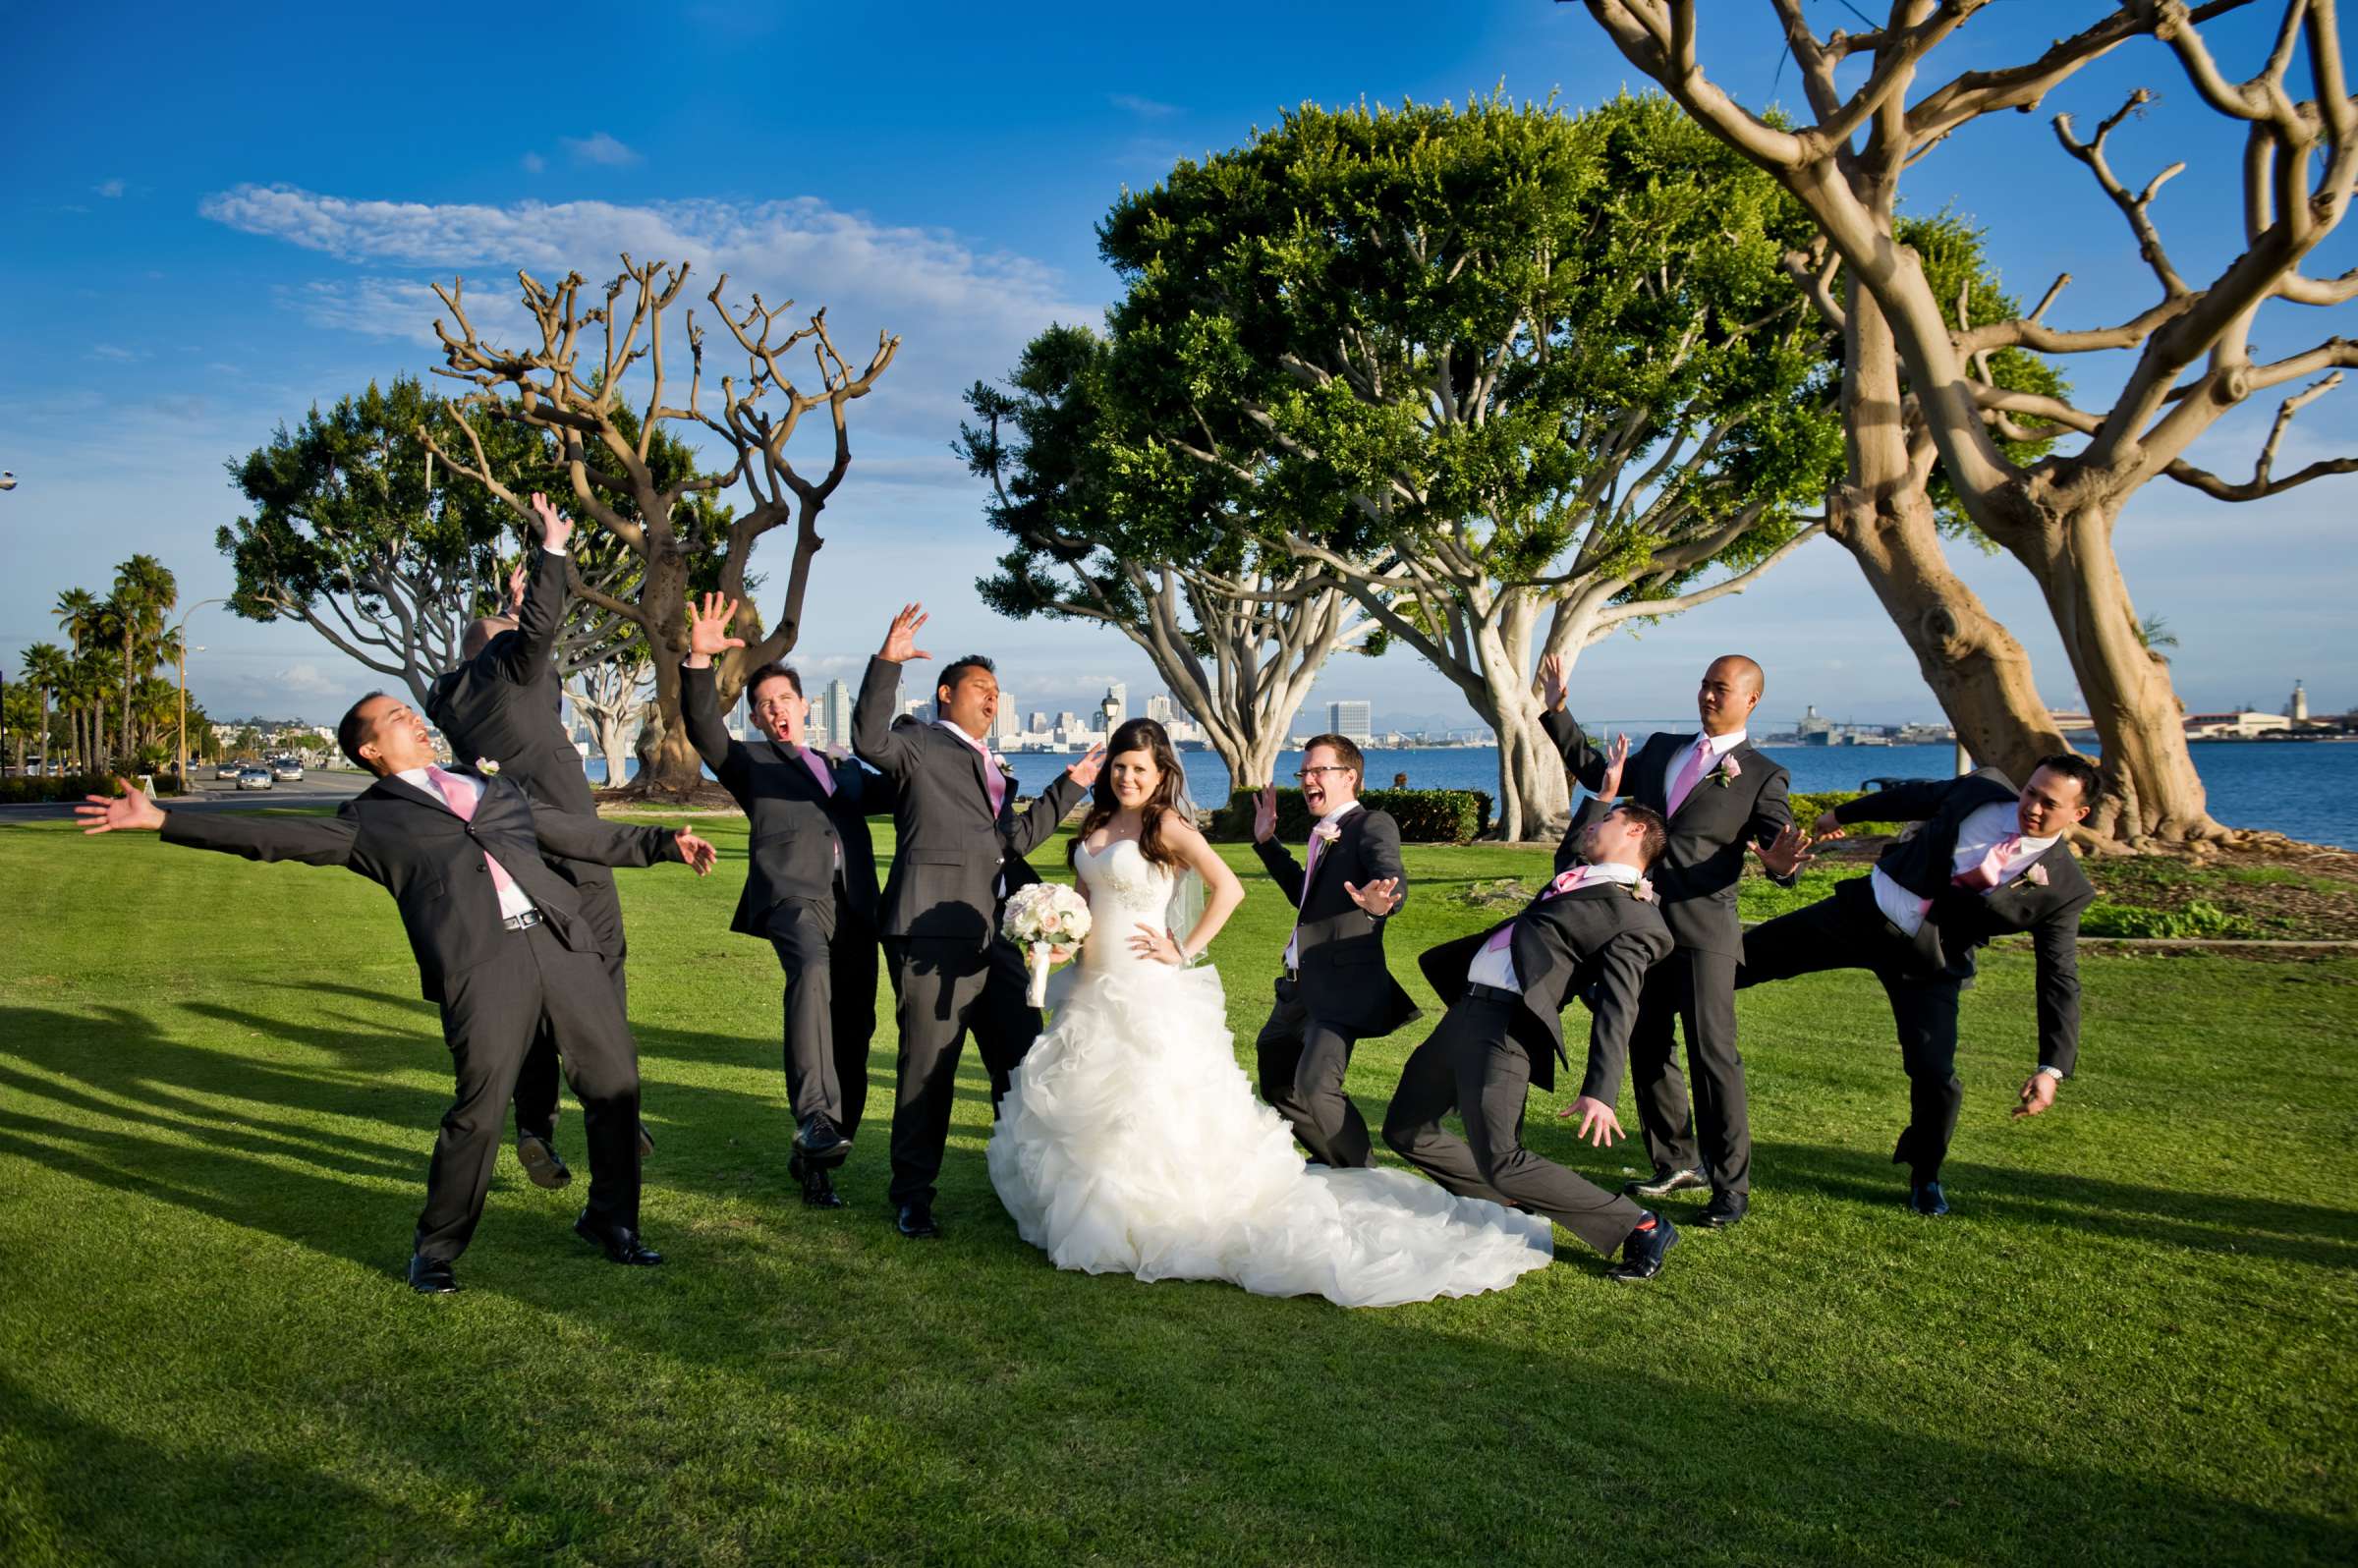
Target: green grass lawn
2132	1342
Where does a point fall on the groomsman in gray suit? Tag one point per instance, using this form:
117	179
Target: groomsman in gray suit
959	853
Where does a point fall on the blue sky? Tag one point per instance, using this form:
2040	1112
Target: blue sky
222	216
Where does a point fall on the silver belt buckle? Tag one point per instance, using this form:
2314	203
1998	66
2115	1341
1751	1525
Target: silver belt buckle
523	922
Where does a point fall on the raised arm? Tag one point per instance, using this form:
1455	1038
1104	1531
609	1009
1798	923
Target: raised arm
1279	860
700	694
1915	802
311	840
521	659
1581	760
1063	793
872	735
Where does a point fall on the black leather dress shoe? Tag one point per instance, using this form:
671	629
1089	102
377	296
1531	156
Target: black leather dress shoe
916	1222
1641	1254
1725	1209
619	1243
821	1140
432	1276
1927	1198
816	1181
541	1161
1665	1182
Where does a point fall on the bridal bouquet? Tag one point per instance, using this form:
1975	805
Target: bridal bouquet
1040	916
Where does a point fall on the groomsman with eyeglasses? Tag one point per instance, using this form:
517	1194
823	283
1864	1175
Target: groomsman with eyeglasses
1333	989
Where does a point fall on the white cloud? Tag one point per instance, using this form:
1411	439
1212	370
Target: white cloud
116	352
307	679
600	148
533	163
112	190
1143	108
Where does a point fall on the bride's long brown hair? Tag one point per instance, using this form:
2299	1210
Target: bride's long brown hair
1138	735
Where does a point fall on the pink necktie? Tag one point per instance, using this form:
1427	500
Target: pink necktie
1690	775
993	781
818	770
462	803
1985	876
1564	883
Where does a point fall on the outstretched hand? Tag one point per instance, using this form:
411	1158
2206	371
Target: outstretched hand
1598	1123
900	639
694	853
128	812
708	631
1552	686
1378	898
1617	757
1788	852
1827	827
2037	1094
1265	815
1085	771
556	529
517	581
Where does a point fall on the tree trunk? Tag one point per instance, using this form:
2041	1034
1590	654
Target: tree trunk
2152	790
669	765
1976	671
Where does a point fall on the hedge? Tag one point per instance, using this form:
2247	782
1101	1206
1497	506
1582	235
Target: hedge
33	791
1426	817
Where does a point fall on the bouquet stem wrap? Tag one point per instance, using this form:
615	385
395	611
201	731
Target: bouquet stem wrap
1039	917
1038	994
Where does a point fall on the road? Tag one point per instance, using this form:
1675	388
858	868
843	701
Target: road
223	794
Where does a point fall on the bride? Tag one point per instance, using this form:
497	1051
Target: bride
1129	1141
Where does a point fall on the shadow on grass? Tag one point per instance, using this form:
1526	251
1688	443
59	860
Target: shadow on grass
2152	1216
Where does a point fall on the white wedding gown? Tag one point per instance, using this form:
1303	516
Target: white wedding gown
1131	1143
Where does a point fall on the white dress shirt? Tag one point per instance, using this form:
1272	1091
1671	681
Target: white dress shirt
1496	965
1293	940
513	899
1721	746
1982	831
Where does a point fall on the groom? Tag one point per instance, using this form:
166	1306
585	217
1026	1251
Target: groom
959	851
1333	989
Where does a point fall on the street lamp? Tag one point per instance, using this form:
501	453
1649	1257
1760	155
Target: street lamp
184	688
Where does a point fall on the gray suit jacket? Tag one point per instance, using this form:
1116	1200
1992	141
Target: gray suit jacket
1343	979
955	862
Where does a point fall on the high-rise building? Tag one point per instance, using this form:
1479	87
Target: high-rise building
917	709
1039	722
1159	708
1066	721
1003	727
2298	708
1352	721
837	706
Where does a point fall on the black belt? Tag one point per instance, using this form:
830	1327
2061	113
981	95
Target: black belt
1476	991
523	922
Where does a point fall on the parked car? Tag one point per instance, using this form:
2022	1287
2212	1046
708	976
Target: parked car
229	770
254	778
286	770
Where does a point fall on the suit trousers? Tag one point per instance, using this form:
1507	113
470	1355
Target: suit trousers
829	959
1472	1066
1302	1060
1848	931
491	1013
940	991
536	1082
1696	991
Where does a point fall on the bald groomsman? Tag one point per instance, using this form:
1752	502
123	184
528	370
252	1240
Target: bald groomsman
1716	794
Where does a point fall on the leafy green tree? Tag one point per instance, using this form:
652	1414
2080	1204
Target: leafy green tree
1513	378
48	669
144	592
1236	626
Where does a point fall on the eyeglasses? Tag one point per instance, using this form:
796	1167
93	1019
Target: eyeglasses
1310	773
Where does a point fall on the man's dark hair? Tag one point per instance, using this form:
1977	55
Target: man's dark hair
2072	766
1653	831
1345	750
955	671
772	671
352	732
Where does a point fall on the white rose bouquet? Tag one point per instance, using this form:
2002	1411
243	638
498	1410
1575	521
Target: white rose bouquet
1041	917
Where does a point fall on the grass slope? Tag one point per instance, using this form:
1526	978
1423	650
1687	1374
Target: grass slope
2131	1343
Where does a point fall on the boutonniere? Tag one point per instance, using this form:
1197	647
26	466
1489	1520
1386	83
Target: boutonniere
1642	889
487	766
1000	763
1329	833
2035	875
837	752
1730	770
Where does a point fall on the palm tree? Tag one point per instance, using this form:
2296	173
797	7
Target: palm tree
144	592
78	616
46	666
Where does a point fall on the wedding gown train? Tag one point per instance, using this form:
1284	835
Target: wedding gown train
1131	1142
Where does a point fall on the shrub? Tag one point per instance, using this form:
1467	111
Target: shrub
1426	817
2198	918
72	787
1806	807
